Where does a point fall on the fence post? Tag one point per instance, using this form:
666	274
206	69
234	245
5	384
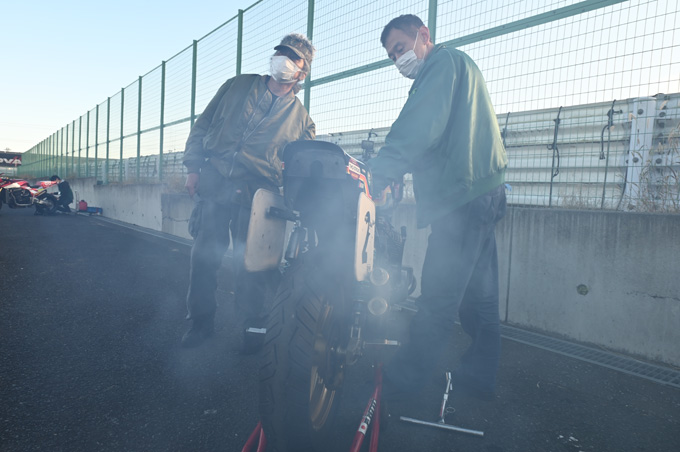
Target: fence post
73	144
87	149
48	154
108	139
239	42
122	116
139	126
96	145
310	35
193	82
80	142
55	152
64	151
432	19
64	159
55	144
160	155
60	164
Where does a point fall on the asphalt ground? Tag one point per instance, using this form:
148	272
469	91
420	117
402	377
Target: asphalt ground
91	314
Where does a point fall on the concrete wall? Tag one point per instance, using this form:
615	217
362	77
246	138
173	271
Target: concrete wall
625	263
135	204
604	278
176	212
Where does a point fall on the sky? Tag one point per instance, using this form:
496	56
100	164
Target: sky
60	58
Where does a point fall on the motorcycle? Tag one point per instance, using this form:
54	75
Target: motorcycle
343	272
18	193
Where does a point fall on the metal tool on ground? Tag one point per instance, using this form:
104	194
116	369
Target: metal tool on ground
443	411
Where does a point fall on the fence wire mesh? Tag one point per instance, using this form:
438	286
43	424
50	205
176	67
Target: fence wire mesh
587	93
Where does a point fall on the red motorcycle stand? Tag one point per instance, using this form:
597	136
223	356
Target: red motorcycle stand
256	436
371	416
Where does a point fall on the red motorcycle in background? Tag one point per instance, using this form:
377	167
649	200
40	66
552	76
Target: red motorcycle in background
18	193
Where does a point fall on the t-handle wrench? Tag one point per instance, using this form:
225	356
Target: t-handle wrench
449	387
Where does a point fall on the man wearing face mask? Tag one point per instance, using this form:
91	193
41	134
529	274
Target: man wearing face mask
448	137
234	148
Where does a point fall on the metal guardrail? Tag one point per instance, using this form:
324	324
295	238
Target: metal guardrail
584	156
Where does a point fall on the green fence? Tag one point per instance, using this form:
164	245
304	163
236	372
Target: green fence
536	55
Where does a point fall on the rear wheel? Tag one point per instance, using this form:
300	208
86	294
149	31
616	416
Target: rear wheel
302	370
48	205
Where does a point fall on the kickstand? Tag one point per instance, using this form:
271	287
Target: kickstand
442	414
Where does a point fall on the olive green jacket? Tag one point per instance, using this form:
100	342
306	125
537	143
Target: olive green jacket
244	128
446	135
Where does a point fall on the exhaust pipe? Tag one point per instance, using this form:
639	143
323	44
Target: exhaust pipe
378	306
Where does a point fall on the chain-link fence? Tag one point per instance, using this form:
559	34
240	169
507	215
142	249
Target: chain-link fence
577	86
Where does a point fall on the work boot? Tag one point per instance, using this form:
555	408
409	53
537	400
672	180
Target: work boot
201	329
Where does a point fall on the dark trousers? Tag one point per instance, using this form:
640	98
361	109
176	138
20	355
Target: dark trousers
460	275
63	205
211	223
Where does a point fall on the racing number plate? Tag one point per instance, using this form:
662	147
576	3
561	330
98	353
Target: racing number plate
365	236
266	235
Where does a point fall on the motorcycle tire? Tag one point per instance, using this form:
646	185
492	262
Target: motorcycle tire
301	373
49	205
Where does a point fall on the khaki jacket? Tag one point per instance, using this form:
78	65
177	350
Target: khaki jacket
244	128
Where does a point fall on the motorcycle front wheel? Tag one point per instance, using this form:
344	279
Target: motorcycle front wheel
48	205
302	368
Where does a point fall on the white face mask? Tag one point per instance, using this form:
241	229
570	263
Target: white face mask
283	69
409	63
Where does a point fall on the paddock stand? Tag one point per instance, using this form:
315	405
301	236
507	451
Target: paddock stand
371	416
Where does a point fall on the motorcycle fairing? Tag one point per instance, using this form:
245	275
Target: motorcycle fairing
365	238
358	170
266	234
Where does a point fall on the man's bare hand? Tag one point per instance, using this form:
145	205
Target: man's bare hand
192	183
